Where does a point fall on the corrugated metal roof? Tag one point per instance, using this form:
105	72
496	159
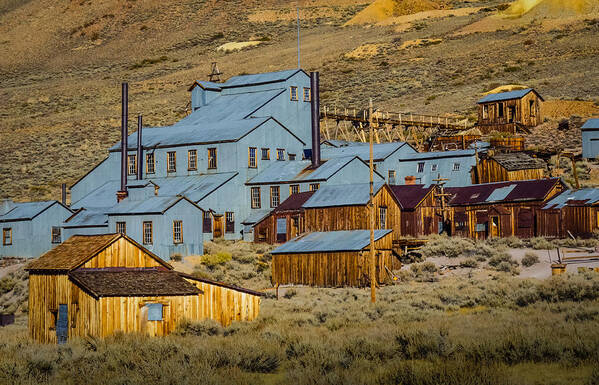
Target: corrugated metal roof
300	171
438	155
26	210
586	197
500	193
505	95
340	143
409	196
342	195
151	205
101	197
87	218
207	85
591	124
294	202
380	150
255	217
255	79
194	187
523	190
514	161
330	241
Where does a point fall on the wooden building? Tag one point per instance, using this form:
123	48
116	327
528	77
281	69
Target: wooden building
333	259
511	166
97	285
574	212
500	209
284	222
419	212
345	207
514	111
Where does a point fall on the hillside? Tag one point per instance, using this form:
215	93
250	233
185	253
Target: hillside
61	63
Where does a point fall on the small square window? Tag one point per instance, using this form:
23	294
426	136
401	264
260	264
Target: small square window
456	167
154	311
265	153
433	167
291	156
294	189
307	96
420	166
280	154
293	93
121	228
314	186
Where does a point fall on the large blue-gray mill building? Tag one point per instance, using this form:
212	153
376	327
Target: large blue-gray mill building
209	165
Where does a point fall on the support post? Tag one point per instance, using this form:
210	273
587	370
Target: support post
372	213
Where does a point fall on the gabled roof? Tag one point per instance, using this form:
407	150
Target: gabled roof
132	282
294	202
513	191
301	171
339	143
150	205
410	196
342	195
381	151
221	284
87	218
438	155
24	211
194	187
590	125
99	198
330	241
583	197
514	161
263	78
78	249
508	95
211	86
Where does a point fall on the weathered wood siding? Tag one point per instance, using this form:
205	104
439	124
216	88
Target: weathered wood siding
355	217
122	253
266	230
522	114
490	171
580	221
421	221
334	269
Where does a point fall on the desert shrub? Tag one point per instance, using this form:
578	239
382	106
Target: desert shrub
290	293
530	259
424	267
6	285
201	328
511	242
540	243
443	246
244	258
469	263
213	260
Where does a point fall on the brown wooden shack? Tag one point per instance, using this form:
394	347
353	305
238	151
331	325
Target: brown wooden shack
286	221
419	216
333	259
500	209
514	111
510	166
574	212
96	285
345	207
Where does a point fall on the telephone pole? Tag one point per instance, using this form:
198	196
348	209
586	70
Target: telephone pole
372	213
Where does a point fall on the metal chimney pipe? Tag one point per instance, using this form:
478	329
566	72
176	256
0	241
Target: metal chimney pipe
315	109
140	150
63	194
124	133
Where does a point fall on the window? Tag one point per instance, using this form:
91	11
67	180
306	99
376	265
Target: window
229	222
192	160
280	154
391	176
314	186
382	218
171	161
56	235
420	166
252	157
131	164
293	93
207	225
154	311
456	167
500	109
265	153
121	228
291	156
147	233
150	163
7	237
486	111
307	96
433	167
294	189
275	196
531	107
212	158
177	232
255	197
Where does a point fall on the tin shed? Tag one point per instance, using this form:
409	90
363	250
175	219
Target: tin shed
573	212
333	259
590	139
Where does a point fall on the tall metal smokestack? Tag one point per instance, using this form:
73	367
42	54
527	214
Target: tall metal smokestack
140	150
315	109
122	194
63	194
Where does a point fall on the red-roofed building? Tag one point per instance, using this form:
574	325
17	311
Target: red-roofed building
284	222
418	205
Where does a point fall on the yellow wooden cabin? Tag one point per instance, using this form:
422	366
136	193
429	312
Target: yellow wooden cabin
511	166
96	285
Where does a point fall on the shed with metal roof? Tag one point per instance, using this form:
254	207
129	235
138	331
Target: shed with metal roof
419	210
513	111
284	222
573	212
590	139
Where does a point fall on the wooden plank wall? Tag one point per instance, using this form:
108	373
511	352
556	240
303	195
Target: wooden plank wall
522	114
122	253
490	171
580	221
269	226
414	221
355	217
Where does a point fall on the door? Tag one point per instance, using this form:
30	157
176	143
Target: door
218	226
62	324
494	231
281	230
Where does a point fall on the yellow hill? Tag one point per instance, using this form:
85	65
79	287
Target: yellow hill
552	7
381	10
